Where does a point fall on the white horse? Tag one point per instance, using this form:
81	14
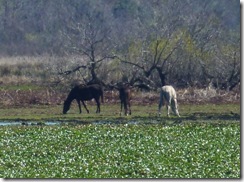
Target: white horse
168	97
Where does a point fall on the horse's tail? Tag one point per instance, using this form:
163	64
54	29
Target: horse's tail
102	97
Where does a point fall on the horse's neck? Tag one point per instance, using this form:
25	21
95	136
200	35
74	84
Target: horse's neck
70	98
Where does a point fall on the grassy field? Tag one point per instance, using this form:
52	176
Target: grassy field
203	143
111	112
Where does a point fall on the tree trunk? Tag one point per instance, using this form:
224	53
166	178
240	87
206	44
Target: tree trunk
162	75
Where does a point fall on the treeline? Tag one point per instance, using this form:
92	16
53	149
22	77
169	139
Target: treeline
151	43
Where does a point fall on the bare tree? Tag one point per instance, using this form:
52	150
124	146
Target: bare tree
153	55
91	40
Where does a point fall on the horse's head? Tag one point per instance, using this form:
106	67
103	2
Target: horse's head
66	107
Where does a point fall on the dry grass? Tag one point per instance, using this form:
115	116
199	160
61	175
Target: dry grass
37	69
19	70
208	95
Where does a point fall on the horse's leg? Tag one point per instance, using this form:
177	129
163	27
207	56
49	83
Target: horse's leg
160	103
85	106
125	108
168	100
129	108
169	106
168	109
174	107
98	105
78	101
121	107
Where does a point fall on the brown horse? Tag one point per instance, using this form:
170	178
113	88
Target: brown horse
83	93
125	97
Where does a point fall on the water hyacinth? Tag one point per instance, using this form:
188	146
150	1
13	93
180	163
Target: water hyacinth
121	151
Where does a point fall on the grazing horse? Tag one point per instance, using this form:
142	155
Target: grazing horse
83	93
168	96
125	97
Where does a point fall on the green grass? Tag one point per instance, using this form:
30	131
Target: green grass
203	143
110	112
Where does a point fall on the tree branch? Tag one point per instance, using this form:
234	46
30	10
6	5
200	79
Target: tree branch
134	64
72	71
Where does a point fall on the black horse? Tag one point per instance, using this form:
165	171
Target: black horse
83	93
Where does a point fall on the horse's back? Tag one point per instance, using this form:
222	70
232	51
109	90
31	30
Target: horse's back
168	89
88	92
95	89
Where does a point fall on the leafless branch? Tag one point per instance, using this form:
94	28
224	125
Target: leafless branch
71	71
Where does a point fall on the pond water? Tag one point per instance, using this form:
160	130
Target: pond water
96	122
28	123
